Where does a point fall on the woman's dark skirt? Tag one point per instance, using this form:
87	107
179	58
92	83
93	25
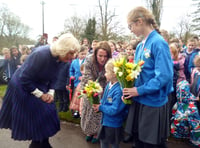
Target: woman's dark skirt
28	117
110	134
150	124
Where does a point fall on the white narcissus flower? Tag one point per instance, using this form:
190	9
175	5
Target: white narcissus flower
116	69
137	74
134	74
120	73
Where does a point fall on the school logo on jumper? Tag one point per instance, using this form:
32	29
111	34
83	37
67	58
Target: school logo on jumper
110	100
147	53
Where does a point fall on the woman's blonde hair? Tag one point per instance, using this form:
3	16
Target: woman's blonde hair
145	15
65	43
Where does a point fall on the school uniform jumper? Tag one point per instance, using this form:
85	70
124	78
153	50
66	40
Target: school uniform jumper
75	71
114	112
148	115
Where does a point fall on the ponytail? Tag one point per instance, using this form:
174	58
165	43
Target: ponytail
155	26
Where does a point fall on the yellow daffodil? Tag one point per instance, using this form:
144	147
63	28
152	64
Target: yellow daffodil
129	77
129	65
119	62
127	72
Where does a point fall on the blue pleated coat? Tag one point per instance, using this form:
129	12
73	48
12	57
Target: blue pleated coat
28	117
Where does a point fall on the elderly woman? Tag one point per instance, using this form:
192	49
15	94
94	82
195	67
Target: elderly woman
94	69
28	108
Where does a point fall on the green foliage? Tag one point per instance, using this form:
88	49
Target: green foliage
90	30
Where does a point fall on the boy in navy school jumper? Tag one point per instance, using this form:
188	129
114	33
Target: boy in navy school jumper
113	109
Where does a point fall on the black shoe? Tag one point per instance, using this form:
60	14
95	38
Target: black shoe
35	144
128	138
76	114
133	145
45	144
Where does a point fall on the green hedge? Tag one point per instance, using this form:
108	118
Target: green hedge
67	116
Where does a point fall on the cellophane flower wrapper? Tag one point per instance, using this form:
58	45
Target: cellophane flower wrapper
127	73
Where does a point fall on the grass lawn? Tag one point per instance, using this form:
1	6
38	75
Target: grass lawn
2	90
67	116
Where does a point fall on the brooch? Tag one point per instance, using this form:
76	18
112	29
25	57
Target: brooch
147	53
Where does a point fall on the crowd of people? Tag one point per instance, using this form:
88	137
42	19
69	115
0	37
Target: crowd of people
165	95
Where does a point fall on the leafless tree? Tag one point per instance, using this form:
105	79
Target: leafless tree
11	28
110	27
74	25
183	30
156	7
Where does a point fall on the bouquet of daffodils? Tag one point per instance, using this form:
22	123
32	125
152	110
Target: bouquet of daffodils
126	73
91	90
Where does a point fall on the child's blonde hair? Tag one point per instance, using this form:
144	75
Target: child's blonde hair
5	50
174	51
110	68
145	15
23	58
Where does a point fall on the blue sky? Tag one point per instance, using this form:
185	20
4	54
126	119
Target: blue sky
56	11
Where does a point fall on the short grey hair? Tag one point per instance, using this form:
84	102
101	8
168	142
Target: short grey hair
65	43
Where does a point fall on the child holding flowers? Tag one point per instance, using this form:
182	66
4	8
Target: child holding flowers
148	114
113	109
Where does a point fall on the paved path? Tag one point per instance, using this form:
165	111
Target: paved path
70	136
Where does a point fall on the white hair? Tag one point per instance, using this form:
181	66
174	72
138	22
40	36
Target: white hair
65	43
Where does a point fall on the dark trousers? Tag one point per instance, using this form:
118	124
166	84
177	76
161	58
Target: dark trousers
62	96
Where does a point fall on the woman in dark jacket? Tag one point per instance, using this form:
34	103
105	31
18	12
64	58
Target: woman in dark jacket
28	108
